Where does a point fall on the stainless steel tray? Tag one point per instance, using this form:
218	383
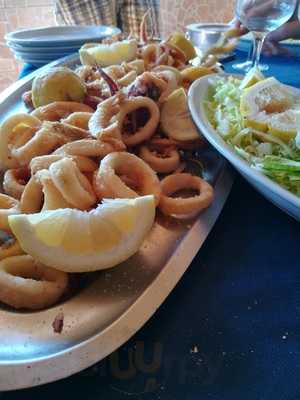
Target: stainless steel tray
113	304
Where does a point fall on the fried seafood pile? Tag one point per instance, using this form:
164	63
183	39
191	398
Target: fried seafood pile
96	133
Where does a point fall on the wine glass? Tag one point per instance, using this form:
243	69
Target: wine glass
263	16
248	64
245	66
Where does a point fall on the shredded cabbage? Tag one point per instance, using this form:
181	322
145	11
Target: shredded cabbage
265	152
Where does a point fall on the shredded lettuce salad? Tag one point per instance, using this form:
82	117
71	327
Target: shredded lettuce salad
265	152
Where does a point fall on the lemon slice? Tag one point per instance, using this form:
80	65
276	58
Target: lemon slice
175	117
178	39
285	125
108	54
253	76
270	106
57	84
80	241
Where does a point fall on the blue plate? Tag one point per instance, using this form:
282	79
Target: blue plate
61	35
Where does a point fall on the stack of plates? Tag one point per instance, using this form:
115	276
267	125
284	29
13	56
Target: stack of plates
43	45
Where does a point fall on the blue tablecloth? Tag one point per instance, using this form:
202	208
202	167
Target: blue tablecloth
286	69
231	328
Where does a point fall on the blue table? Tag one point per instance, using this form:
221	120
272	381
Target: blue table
231	328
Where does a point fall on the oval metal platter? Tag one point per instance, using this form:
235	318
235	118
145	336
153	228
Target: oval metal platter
110	306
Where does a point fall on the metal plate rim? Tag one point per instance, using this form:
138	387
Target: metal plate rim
40	370
24	374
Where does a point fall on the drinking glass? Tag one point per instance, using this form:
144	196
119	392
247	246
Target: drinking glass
263	16
246	65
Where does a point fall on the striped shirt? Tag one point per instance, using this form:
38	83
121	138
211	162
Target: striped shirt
125	14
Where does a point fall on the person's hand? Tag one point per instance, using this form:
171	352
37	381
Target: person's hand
235	23
290	30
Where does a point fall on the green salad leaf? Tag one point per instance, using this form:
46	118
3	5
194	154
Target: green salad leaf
265	152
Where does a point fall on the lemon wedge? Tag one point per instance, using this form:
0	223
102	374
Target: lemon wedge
175	117
253	76
108	54
79	241
190	74
269	106
179	40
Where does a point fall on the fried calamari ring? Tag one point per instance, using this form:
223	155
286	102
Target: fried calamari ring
14	132
72	184
175	52
110	115
162	53
97	89
53	199
50	136
114	72
32	198
59	109
14	181
104	121
136	65
149	54
69	132
26	283
41	194
141	134
120	75
162	159
163	68
150	85
79	119
43	142
172	83
85	164
88	73
89	148
108	183
127	79
178	206
9	248
8	206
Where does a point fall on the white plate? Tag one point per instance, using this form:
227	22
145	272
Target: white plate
66	35
116	302
281	197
